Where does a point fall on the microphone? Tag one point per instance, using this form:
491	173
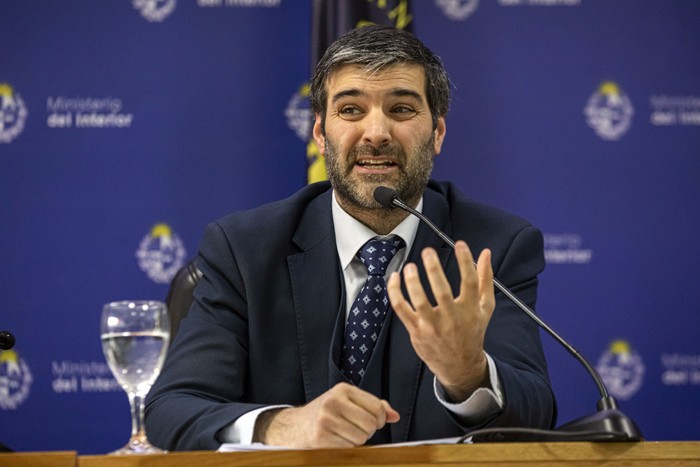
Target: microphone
608	421
7	340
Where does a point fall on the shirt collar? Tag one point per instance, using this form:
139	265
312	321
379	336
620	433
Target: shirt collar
351	234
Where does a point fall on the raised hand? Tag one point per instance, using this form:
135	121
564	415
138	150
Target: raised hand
448	337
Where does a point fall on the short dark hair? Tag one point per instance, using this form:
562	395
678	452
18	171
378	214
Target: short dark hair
375	48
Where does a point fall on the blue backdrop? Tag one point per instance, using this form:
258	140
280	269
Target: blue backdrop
125	127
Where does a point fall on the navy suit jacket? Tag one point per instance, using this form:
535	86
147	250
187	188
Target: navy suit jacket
266	314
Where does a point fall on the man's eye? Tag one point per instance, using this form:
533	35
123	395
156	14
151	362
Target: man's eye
402	109
349	110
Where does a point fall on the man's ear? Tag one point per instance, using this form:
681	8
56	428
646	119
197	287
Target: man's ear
319	136
440	130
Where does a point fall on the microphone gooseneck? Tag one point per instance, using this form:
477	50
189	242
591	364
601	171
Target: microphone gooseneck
608	419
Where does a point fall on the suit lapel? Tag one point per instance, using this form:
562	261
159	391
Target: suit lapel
314	275
404	365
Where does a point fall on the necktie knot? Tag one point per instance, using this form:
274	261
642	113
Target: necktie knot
377	253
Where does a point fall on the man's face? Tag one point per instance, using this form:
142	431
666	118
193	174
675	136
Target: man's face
378	131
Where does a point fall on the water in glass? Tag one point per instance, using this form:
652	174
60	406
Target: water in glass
135	337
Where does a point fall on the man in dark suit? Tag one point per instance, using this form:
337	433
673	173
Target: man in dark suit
268	351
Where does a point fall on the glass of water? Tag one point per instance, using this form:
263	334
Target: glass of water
135	336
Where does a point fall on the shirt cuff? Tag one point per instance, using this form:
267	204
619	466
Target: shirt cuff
241	431
482	404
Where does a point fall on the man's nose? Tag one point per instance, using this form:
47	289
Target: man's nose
377	128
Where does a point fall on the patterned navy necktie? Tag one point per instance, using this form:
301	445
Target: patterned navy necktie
369	309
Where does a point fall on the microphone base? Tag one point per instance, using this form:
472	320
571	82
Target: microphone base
605	425
617	426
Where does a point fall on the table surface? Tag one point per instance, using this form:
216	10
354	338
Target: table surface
669	453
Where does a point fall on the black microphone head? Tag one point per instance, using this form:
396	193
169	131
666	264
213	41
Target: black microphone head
385	196
7	340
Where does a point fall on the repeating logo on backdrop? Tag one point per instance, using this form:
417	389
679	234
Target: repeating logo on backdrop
15	380
155	10
161	254
609	111
13	113
298	112
622	370
457	10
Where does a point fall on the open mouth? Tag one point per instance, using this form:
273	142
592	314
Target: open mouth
376	163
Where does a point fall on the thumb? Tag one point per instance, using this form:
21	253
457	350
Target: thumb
392	416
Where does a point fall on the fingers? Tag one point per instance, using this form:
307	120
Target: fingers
419	303
476	284
392	416
442	291
484	271
366	411
465	262
401	306
347	415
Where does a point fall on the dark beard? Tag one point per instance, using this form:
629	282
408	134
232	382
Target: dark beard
414	171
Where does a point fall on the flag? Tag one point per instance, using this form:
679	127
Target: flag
330	19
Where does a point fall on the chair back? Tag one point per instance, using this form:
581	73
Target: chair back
179	296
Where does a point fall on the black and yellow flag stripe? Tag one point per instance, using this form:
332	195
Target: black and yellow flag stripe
333	18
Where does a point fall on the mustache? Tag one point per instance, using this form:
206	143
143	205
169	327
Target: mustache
376	151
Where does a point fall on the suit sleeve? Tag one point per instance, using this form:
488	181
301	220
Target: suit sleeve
513	341
200	389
